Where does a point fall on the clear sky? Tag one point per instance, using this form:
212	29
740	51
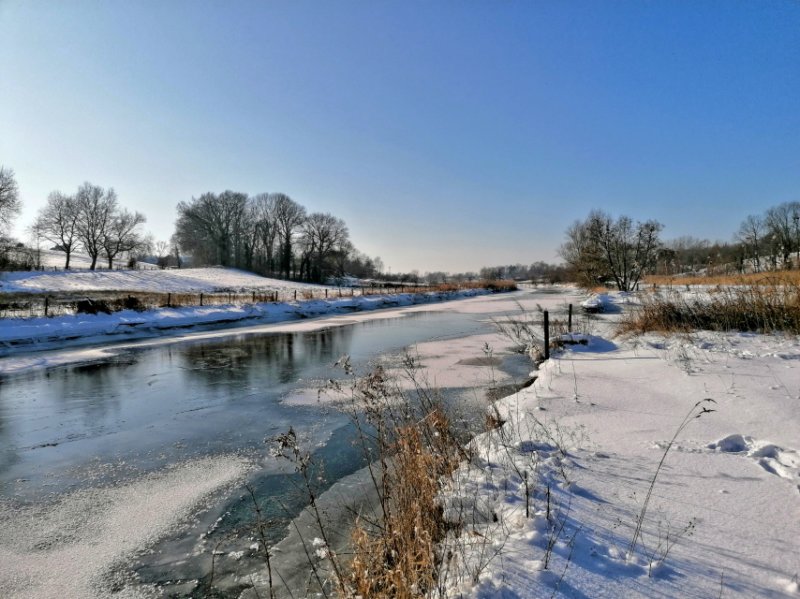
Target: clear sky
448	135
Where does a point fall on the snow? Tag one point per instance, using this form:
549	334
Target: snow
183	280
76	547
589	434
18	335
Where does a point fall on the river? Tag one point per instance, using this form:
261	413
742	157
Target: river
151	407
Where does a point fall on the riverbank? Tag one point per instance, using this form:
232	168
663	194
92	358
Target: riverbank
568	498
23	335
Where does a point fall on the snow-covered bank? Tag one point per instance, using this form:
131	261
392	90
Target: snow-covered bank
80	546
184	280
578	452
36	334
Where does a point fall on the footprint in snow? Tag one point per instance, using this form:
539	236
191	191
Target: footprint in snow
772	458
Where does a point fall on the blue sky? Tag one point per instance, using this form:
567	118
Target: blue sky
448	135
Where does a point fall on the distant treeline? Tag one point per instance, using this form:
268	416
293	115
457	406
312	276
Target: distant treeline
536	272
269	234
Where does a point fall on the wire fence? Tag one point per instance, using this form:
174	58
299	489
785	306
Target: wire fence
24	305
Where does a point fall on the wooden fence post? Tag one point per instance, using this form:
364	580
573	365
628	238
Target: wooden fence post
201	300
169	300
46	305
546	335
295	295
569	320
326	294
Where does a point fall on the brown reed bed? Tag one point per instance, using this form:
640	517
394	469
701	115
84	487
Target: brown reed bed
769	278
765	307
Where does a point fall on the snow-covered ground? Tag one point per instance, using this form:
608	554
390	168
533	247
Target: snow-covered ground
182	280
724	516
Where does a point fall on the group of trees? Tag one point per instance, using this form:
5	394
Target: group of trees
268	233
601	249
93	221
538	271
775	235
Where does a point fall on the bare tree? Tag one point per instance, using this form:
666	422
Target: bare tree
583	254
122	235
247	235
162	252
782	230
10	204
207	226
620	249
266	229
325	233
289	216
58	222
629	249
97	208
176	250
751	234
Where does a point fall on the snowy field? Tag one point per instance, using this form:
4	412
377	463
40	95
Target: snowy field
183	280
723	519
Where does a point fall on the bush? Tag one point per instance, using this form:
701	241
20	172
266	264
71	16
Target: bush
88	306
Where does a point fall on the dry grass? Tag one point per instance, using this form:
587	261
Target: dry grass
791	277
399	560
411	446
763	307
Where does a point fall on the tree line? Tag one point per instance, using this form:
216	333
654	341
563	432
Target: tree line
602	249
91	219
270	234
273	235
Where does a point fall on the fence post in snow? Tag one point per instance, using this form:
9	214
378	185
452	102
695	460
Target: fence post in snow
169	300
569	320
546	335
326	294
46	304
295	295
201	299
